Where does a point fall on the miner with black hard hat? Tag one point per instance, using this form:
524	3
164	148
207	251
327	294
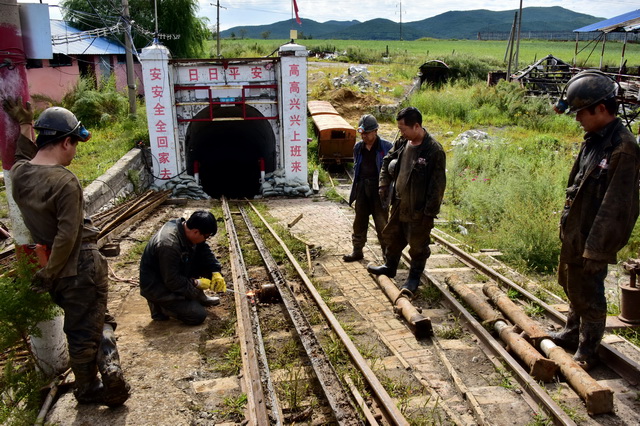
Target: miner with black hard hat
72	270
600	211
367	154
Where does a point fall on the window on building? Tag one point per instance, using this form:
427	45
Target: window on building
60	60
34	63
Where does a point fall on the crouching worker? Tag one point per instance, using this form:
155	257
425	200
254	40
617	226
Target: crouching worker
51	201
177	265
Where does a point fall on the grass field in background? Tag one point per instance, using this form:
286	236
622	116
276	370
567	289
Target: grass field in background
426	49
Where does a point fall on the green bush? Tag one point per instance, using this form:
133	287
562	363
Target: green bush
512	190
21	309
97	107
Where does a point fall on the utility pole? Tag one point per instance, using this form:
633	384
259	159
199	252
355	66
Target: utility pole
518	40
217	5
400	20
131	82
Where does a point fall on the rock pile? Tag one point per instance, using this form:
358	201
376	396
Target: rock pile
356	76
183	186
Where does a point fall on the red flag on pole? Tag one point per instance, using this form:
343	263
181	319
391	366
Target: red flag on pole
295	9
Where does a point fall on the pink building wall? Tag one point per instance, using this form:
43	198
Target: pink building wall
55	82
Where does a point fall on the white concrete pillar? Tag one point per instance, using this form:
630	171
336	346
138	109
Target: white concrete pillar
161	115
293	110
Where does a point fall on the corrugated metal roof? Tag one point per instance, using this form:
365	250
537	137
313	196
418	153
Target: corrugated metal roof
627	22
88	46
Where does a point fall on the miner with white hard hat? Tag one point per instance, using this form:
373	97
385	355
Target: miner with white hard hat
367	154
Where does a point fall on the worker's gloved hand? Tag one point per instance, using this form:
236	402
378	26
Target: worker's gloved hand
41	282
383	192
203	283
591	266
218	283
14	109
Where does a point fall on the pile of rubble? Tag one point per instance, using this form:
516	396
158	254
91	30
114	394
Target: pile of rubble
276	184
357	76
183	186
476	136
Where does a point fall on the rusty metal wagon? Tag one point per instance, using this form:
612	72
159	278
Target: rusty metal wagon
336	137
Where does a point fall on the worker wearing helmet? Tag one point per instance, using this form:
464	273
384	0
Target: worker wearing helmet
368	154
600	210
73	271
416	189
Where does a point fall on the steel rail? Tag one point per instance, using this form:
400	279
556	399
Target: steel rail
624	366
251	351
385	403
335	393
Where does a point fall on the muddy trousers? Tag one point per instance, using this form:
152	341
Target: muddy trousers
588	310
89	329
585	291
368	204
397	235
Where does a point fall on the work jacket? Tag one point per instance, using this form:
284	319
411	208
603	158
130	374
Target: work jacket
170	263
51	202
426	183
601	209
383	147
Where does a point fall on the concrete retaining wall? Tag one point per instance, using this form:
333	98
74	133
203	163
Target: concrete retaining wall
116	182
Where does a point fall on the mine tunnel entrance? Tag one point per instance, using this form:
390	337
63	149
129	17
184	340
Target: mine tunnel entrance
229	151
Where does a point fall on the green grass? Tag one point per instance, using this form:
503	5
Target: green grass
418	51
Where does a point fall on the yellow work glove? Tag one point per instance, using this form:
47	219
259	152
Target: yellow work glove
203	283
217	283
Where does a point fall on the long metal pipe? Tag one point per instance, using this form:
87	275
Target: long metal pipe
540	368
616	360
514	313
597	398
419	324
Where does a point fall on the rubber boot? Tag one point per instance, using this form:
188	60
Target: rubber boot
88	387
389	268
207	300
355	255
568	337
590	336
413	280
116	389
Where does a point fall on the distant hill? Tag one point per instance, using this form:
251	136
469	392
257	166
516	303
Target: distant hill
448	25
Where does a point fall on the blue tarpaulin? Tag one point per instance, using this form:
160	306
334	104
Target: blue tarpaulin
627	22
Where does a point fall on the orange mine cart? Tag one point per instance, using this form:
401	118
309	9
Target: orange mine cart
336	137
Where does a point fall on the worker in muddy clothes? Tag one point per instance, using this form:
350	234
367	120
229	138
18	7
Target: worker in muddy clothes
413	178
51	201
177	266
368	154
600	210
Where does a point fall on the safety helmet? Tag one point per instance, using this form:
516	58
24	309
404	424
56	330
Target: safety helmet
368	123
56	123
586	89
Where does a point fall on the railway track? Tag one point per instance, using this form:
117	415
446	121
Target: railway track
339	394
569	395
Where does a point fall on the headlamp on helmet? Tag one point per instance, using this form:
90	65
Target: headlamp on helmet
57	123
584	90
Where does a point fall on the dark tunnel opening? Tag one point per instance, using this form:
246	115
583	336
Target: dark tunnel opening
229	151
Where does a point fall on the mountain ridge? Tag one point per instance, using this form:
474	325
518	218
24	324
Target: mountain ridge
448	25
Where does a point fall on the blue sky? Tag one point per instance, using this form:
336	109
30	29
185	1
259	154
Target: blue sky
259	12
